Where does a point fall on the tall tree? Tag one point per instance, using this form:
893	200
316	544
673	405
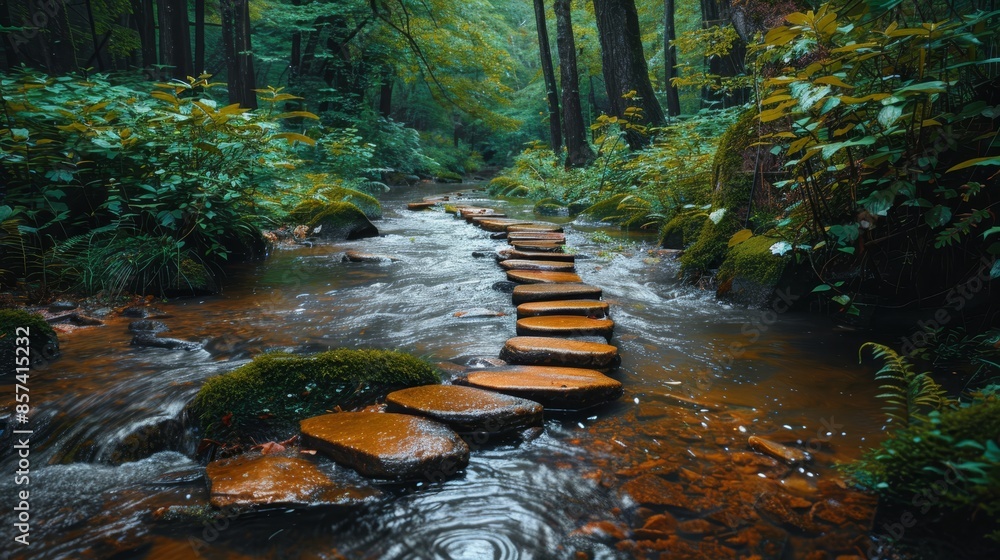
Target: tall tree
717	13
175	37
555	129
670	59
578	152
235	16
199	36
144	20
625	67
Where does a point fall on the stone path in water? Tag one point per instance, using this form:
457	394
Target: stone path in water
556	361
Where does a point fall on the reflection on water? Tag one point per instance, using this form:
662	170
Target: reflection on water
794	381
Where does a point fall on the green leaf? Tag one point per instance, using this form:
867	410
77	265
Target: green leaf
938	216
995	271
822	288
740	237
994	160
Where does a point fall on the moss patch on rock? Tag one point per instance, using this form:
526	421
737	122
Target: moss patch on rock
42	341
365	202
750	271
336	220
506	186
731	189
682	230
270	395
550	207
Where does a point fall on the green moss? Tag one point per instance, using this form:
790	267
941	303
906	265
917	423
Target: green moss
504	186
579	206
682	230
752	260
274	391
945	466
606	209
365	202
42	341
448	177
731	188
550	207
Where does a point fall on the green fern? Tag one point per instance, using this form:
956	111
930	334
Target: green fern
909	395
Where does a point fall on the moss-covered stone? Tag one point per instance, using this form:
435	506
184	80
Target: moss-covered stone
731	189
448	177
365	202
336	220
506	187
682	230
750	271
42	342
268	396
550	207
578	206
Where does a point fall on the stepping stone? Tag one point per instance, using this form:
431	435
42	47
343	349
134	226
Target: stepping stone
541	245
580	307
535	227
552	266
358	256
467	409
553	387
565	325
542	277
540	236
538	256
259	480
545	351
494	224
420	205
554	292
387	445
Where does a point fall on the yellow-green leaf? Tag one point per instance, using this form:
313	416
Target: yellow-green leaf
296	114
993	160
740	237
293	137
833	81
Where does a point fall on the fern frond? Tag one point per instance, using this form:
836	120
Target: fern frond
907	394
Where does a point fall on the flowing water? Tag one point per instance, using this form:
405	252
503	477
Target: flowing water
583	489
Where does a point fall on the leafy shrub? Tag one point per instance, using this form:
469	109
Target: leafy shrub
274	391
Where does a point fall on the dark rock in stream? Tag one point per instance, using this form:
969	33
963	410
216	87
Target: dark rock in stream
504	287
63	305
163	435
147	326
150	340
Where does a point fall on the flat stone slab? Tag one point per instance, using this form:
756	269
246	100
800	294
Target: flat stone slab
387	445
538	256
545	351
260	480
359	256
580	307
543	277
467	409
420	205
540	245
565	325
551	266
554	387
535	226
788	455
537	236
492	224
554	292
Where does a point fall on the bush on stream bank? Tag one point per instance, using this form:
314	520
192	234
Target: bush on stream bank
42	342
267	397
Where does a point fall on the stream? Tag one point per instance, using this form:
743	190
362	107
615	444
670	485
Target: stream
645	475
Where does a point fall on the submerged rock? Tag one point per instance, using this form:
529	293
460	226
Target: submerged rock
359	256
387	445
536	350
148	326
467	409
260	480
788	455
504	287
149	340
478	313
538	245
421	205
554	387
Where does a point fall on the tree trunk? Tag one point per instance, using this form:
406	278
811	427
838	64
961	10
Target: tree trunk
670	59
385	93
625	67
199	37
144	20
235	16
10	40
555	130
175	37
244	51
715	13
578	152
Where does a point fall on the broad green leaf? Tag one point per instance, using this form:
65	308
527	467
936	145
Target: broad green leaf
993	160
740	237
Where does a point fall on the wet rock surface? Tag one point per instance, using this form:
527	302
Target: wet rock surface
535	227
554	387
584	308
467	409
538	246
359	256
147	325
553	292
387	445
543	277
539	256
261	480
784	453
150	340
551	266
565	325
535	350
